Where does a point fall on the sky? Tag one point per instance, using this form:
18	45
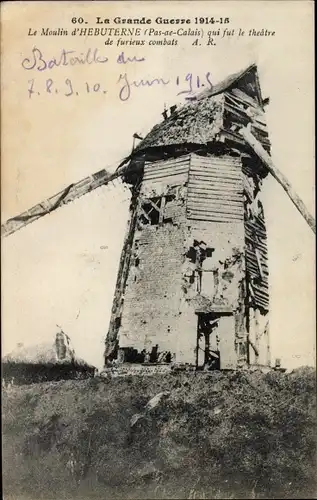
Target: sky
62	268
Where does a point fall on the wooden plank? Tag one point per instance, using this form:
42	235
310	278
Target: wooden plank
216	189
212	174
222	168
155	168
216	181
161	168
214	162
252	255
227	159
171	161
211	201
157	175
215	193
264	298
244	97
213	218
172	168
175	180
84	182
253	347
260	246
231	136
261	270
154	205
264	259
215	211
208	184
233	161
143	212
236	101
217	167
243	119
225	209
214	196
260	299
262	290
228	188
183	175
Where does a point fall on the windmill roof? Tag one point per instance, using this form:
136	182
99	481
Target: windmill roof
199	121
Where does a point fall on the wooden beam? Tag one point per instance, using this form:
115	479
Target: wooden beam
253	346
163	202
143	212
154	205
258	258
277	174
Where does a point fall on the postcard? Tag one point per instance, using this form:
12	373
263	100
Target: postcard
158	290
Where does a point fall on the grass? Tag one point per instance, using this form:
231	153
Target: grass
219	435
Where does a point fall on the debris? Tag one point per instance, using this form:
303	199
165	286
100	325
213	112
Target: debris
135	418
155	401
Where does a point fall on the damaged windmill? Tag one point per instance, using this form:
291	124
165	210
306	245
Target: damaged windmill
192	285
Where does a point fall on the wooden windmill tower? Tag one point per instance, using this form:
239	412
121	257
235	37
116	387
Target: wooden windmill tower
192	284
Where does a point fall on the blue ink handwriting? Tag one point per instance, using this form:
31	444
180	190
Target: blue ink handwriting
125	90
38	62
188	84
65	58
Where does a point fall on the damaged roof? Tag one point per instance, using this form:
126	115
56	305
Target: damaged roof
201	119
229	82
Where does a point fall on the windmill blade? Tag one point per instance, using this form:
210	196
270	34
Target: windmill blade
67	195
278	175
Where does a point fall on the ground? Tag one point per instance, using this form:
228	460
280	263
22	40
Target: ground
217	435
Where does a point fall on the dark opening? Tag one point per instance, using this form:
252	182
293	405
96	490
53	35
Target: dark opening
207	324
153	215
131	355
199	252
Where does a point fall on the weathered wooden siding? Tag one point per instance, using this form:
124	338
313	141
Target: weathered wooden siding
215	189
161	174
256	261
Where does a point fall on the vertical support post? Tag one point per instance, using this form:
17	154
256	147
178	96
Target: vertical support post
257	333
197	341
162	206
207	347
268	351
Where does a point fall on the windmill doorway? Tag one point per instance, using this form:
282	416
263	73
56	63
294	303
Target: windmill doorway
207	351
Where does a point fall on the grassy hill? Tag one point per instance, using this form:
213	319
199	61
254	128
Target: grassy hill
217	435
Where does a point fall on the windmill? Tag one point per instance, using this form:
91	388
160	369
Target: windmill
192	284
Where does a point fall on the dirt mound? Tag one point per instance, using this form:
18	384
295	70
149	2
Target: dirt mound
217	435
